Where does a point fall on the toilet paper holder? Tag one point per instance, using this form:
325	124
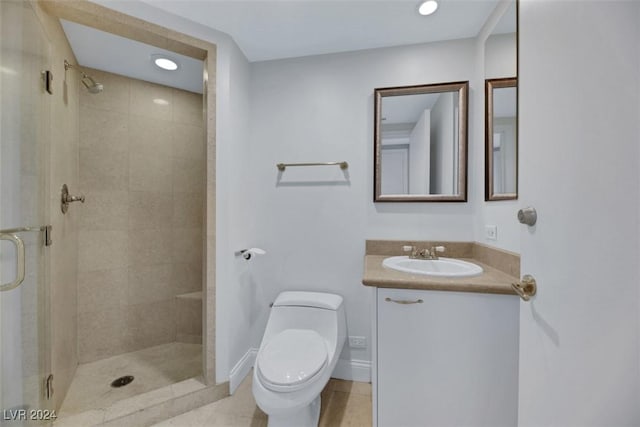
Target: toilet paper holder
247	253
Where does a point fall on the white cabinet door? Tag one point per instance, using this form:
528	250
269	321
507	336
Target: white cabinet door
451	360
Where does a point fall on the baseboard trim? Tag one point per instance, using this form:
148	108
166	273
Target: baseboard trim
242	369
353	370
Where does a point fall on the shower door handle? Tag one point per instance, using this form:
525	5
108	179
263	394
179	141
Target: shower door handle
10	234
19	261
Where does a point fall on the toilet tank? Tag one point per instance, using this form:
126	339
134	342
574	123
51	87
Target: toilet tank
318	311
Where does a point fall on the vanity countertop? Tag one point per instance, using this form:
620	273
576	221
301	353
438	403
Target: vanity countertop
491	281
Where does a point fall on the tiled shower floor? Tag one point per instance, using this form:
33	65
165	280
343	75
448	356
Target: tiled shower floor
153	368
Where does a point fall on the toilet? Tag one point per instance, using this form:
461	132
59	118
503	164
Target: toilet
302	342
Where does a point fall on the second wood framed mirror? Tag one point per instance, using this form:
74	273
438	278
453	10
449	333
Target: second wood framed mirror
501	139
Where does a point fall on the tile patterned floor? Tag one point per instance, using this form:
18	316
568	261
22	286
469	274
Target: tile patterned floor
153	368
344	403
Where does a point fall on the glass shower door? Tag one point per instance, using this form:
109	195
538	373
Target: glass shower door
24	124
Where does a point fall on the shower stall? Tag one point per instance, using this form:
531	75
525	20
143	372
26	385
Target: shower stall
141	173
103	280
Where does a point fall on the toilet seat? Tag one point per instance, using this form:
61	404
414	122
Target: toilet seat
292	359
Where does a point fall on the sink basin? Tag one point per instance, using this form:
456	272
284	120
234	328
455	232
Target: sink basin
442	267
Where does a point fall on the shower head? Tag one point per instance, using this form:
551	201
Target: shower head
91	85
87	81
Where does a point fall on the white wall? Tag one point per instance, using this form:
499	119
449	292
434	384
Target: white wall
499	52
314	222
233	200
579	110
236	225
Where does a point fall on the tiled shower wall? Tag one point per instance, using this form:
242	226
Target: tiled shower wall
142	170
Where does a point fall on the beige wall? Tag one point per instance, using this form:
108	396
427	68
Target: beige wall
142	159
63	169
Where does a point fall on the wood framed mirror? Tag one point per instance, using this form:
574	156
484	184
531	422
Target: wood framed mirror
420	143
501	105
501	139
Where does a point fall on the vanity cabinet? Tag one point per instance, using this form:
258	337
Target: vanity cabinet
445	358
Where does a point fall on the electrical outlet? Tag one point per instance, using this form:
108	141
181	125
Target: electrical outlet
357	342
491	232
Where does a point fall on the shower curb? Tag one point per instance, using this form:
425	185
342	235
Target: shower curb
145	409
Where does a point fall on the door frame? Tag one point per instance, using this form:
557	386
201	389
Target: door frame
108	20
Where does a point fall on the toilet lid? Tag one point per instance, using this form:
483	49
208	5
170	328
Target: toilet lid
292	357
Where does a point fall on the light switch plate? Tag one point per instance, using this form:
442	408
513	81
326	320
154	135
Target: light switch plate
491	232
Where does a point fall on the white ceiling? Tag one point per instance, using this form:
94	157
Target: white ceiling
406	108
276	29
115	54
507	23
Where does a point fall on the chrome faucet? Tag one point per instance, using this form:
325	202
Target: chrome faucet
412	249
431	253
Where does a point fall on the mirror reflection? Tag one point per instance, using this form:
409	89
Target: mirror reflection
421	143
501	99
501	129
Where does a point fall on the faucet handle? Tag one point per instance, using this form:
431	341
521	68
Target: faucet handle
433	251
411	251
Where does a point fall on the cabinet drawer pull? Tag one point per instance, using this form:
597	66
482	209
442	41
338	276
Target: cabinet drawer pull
403	301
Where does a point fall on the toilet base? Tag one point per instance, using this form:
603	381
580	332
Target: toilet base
307	416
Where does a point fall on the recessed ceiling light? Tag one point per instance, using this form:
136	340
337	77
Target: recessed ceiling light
428	7
164	62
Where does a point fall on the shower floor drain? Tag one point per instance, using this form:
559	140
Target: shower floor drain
122	381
